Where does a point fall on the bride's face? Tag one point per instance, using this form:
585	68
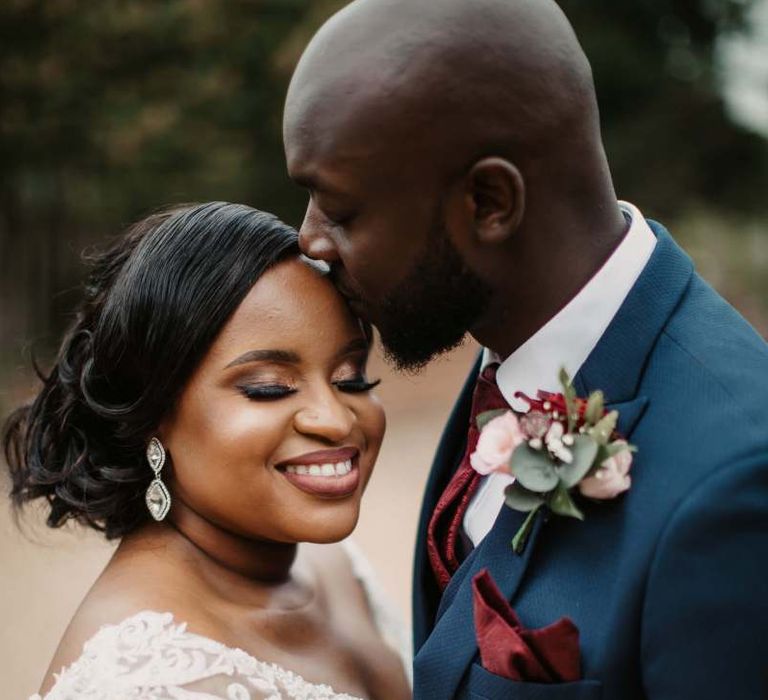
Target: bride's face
275	435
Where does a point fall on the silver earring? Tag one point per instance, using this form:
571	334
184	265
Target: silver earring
157	497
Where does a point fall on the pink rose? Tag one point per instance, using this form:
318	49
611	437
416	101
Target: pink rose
498	440
611	478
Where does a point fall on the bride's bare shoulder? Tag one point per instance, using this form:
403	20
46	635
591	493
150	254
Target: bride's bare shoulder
119	594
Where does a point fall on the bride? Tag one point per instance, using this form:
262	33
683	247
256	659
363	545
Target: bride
210	407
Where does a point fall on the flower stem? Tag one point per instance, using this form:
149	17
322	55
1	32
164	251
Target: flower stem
521	536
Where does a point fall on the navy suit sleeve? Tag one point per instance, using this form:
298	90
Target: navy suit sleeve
705	617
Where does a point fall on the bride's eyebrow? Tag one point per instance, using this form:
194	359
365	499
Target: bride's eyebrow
281	356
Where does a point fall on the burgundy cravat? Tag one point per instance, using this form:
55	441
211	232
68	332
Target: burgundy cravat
445	524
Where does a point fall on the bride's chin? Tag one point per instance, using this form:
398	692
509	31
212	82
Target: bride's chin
330	530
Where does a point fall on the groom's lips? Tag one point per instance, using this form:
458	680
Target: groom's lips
325	486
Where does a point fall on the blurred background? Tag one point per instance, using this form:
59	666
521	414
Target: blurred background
110	109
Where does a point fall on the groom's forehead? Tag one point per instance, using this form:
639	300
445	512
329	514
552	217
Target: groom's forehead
344	140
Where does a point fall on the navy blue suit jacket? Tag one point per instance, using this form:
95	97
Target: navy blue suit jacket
668	584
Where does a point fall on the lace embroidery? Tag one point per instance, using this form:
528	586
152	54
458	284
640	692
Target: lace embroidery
150	657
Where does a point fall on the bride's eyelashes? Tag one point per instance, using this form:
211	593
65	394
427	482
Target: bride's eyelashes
266	392
356	386
272	392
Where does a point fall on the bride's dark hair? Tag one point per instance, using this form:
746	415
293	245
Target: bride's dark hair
154	303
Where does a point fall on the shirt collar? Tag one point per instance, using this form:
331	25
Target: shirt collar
568	338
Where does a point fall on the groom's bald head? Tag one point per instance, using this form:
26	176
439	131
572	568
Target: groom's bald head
452	152
503	77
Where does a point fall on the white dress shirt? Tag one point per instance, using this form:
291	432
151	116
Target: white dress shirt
566	340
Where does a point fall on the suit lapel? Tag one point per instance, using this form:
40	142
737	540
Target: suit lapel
618	362
630	412
446	655
426	593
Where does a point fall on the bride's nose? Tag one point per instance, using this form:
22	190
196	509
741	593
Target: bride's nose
325	417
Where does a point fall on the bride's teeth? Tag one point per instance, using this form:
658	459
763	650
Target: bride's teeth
343	468
328	469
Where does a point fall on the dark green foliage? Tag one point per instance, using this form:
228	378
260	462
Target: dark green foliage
668	136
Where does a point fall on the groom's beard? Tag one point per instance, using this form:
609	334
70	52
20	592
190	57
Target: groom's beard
431	310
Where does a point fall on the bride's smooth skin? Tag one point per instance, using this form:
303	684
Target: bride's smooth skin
285	378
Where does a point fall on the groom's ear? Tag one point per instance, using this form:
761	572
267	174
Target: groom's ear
496	193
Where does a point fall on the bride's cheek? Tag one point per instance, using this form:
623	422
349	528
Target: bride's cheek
373	423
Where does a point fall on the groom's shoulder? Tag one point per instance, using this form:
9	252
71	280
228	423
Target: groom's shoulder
719	343
709	373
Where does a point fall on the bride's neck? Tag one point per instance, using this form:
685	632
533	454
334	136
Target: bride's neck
224	553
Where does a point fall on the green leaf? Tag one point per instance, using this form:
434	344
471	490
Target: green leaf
521	536
604	429
617	447
561	503
487	416
569	392
520	499
584	451
533	469
602	455
595	407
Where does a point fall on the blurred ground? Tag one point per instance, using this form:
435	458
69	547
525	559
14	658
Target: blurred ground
45	573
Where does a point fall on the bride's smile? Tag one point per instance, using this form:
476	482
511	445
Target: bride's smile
329	473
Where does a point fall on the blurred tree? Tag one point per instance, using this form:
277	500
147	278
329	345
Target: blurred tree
109	109
669	138
112	108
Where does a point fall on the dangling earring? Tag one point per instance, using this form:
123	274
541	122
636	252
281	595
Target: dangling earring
157	497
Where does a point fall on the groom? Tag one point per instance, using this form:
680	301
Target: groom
458	183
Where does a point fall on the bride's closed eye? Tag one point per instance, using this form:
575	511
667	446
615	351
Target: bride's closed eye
266	392
358	385
273	392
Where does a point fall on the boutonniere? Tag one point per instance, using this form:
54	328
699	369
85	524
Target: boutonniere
563	444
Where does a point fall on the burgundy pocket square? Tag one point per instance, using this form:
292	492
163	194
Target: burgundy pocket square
507	649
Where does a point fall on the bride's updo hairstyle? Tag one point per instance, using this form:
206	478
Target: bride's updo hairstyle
154	303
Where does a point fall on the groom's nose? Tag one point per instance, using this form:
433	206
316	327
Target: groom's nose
313	241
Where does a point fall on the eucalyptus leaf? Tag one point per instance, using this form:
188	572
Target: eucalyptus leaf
595	407
561	503
533	469
520	499
602	455
604	429
617	447
584	450
487	416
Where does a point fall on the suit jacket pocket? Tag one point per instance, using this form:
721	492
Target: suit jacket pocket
482	685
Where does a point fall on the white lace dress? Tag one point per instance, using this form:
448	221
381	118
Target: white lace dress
151	656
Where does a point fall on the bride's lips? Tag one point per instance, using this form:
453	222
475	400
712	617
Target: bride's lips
326	473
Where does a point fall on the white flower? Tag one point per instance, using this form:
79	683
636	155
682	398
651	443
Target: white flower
612	476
